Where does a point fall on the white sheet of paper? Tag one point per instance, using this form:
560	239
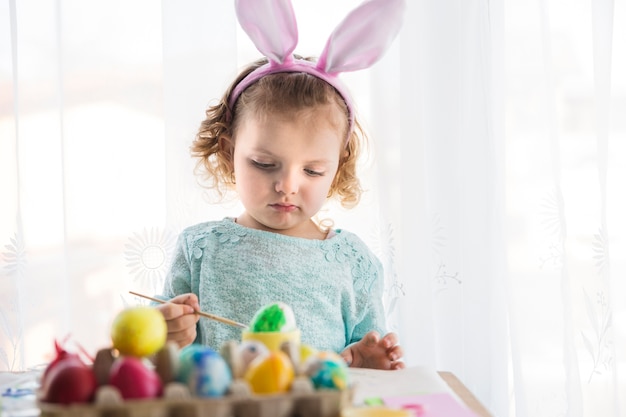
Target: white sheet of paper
373	383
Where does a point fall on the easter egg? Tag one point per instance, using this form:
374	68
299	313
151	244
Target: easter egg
186	361
134	379
327	370
272	340
269	374
274	317
138	331
204	371
69	381
248	351
306	351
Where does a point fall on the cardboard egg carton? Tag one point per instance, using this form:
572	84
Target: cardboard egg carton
302	400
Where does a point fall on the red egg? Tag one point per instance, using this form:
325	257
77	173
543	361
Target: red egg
134	379
61	355
69	381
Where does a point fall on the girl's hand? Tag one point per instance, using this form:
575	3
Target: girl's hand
181	318
374	352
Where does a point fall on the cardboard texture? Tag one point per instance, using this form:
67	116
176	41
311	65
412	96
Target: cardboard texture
316	403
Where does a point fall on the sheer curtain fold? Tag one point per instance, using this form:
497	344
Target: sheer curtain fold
494	179
461	202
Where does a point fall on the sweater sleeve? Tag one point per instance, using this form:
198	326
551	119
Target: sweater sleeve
178	279
368	294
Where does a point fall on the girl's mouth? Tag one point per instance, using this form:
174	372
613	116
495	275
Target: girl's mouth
284	208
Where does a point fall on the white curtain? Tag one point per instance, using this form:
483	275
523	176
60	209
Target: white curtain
495	179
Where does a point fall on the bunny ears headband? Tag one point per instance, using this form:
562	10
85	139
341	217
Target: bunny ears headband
356	43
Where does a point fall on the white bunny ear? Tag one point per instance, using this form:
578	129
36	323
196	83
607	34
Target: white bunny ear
271	25
363	36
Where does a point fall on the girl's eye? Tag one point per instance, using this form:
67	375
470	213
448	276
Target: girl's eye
313	173
262	165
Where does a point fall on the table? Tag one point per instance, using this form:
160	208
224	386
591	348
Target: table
418	378
464	394
372	383
22	385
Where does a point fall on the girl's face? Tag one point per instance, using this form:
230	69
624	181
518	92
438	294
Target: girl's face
284	165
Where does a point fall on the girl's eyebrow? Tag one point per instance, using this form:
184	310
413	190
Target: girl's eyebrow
319	161
273	155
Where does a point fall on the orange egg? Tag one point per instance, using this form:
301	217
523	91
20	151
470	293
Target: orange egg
271	373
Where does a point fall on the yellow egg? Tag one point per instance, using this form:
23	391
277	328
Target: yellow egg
306	351
272	373
139	331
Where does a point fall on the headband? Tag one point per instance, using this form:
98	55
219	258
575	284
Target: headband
357	42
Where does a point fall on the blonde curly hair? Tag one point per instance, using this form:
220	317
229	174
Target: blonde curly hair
283	93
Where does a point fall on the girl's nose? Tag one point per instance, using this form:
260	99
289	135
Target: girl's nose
287	183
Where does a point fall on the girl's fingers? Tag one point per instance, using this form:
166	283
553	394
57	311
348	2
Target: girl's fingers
183	337
395	353
173	311
346	355
371	338
390	340
179	306
182	323
189	299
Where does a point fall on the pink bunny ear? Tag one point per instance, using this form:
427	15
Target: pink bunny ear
271	25
363	36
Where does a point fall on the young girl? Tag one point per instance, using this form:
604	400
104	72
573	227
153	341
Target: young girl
285	141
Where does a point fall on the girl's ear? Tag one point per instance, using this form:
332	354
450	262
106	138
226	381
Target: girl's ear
226	145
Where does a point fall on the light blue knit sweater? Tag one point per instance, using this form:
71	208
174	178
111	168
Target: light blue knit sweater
334	286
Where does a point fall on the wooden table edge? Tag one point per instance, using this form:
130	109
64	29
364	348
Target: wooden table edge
465	394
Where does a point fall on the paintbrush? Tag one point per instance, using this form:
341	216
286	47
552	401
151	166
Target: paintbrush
200	313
